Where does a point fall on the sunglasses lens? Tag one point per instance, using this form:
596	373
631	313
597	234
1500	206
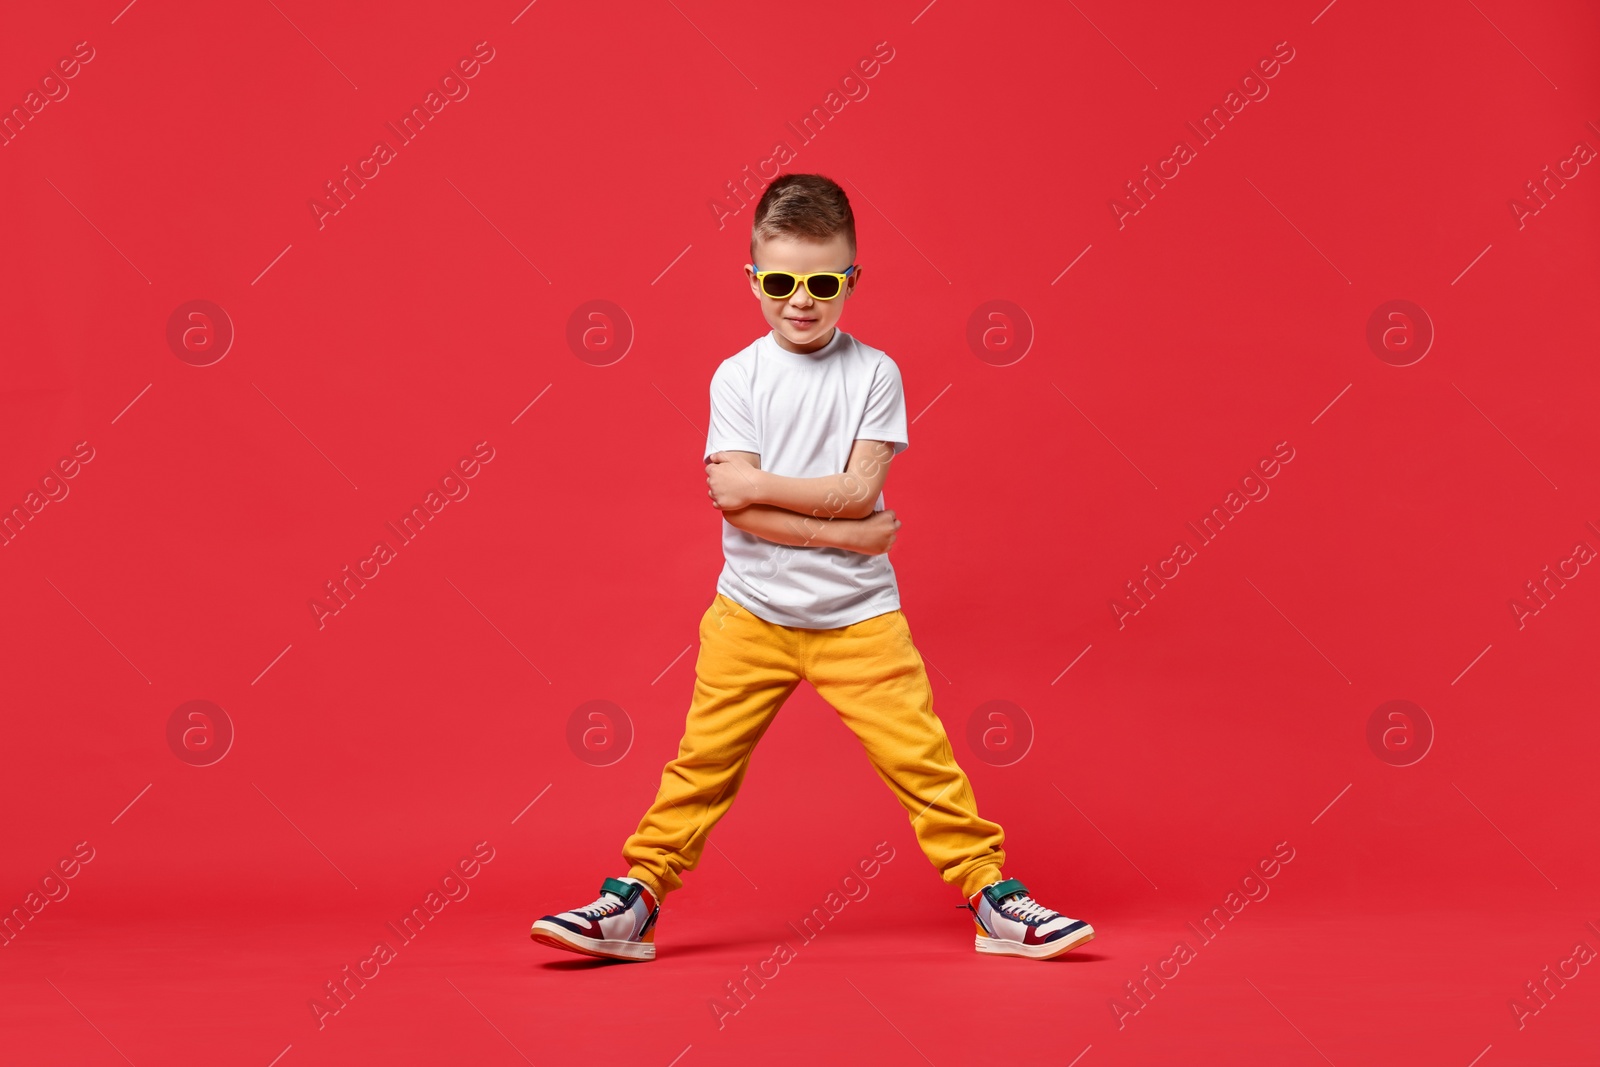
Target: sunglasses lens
778	285
823	287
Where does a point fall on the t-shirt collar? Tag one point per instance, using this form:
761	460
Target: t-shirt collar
828	349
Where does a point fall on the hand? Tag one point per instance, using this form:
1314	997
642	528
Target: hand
876	532
731	483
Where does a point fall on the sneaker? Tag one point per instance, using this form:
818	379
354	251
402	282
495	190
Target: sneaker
621	925
1011	923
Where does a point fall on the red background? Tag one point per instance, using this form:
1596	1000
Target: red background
372	353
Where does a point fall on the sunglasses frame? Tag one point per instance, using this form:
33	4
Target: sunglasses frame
803	279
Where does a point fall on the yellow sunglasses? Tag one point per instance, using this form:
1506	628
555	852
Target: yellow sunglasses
822	285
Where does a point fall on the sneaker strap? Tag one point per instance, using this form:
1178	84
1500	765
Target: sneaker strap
1001	890
627	891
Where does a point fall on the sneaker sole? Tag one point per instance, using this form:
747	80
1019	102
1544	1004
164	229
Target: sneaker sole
559	937
996	946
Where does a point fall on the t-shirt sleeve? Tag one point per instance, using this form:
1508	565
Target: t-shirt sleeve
733	427
885	417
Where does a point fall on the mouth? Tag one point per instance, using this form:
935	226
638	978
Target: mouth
801	323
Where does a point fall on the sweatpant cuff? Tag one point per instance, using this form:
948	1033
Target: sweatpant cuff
649	882
980	878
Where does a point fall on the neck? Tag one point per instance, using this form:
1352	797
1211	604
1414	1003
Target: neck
787	345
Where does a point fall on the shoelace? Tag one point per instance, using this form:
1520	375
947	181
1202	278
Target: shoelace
600	908
1026	909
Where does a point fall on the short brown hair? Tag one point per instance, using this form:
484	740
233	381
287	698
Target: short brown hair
807	206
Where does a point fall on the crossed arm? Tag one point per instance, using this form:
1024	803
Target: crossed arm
801	511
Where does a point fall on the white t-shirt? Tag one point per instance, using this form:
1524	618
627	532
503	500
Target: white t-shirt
802	413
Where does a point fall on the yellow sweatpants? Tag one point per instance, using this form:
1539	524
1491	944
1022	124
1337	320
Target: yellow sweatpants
872	675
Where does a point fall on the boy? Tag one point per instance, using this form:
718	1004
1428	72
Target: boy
807	593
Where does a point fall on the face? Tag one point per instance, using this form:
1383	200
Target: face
802	323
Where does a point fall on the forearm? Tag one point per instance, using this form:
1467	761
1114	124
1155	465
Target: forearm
836	496
782	526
